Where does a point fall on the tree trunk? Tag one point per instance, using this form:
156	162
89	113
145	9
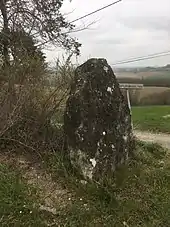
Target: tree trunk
6	57
5	31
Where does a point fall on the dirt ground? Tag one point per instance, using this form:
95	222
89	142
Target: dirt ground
160	138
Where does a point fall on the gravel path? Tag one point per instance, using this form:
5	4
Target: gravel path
163	139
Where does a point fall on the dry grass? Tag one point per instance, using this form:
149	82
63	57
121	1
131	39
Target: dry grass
27	115
157	78
152	90
126	75
150	96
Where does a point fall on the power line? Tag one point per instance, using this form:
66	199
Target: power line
130	60
149	55
100	9
87	15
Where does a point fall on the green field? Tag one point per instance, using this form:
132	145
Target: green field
152	118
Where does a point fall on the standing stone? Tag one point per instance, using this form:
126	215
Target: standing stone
97	121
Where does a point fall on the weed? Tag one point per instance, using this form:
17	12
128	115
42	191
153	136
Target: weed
137	195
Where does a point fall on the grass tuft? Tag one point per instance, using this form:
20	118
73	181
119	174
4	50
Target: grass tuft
137	195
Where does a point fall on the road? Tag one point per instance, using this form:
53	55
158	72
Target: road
163	139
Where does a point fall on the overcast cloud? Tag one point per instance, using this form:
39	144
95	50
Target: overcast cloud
128	29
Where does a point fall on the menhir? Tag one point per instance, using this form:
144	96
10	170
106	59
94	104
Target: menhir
97	121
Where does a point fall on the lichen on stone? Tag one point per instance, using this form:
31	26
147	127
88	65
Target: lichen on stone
97	120
93	161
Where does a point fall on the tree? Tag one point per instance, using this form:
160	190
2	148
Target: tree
5	32
25	56
41	19
23	45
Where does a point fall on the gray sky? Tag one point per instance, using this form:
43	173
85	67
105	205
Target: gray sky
131	28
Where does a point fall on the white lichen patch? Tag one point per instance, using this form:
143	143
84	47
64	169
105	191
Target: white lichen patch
112	146
79	159
106	69
127	155
93	162
125	224
83	182
109	89
125	138
161	163
127	119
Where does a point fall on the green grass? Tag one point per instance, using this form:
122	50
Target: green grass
18	202
152	118
137	196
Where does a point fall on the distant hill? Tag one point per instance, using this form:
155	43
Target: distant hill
142	69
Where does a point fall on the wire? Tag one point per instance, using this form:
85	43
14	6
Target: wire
87	15
151	56
100	9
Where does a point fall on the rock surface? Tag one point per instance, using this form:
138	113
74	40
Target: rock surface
97	121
